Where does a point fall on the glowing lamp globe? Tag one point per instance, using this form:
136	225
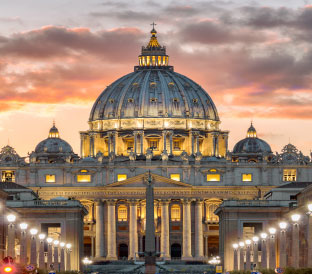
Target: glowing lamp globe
295	217
310	207
23	226
49	240
241	244
272	230
11	218
255	239
8	269
235	246
68	246
56	242
263	236
33	231
62	244
248	242
283	225
42	236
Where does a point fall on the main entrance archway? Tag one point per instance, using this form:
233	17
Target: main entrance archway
123	251
175	251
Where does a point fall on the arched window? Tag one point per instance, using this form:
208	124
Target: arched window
175	213
211	216
122	213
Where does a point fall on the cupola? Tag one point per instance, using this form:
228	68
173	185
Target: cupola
54	133
251	132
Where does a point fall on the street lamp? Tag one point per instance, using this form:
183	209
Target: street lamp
283	226
23	226
295	218
248	265
11	235
33	232
310	208
41	237
263	236
255	256
295	240
62	262
272	261
23	248
68	250
49	259
33	246
56	255
241	255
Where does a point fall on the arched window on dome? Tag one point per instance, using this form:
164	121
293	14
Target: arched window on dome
175	213
122	213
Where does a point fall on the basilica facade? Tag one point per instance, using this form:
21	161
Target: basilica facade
159	121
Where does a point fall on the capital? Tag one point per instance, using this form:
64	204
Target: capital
111	202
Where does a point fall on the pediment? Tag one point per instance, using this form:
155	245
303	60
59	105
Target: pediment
140	181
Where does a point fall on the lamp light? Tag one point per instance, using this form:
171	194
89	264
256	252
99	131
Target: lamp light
248	242
49	240
62	244
255	239
56	242
41	236
235	246
283	225
263	236
241	244
68	246
23	226
272	230
33	231
295	217
11	218
310	207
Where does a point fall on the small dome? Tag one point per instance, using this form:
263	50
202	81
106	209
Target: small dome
53	144
252	144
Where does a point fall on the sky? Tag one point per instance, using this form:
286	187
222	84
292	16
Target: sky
254	58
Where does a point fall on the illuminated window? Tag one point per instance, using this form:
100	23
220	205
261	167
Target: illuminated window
247	177
148	60
175	213
289	175
122	213
84	171
153	144
176	145
8	176
213	177
211	208
121	177
154	62
175	177
50	178
129	145
83	178
159	60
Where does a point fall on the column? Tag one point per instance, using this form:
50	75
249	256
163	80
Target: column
164	238
165	140
111	231
206	247
141	138
81	145
157	243
263	254
197	143
62	261
135	142
295	245
99	230
23	251
133	230
282	245
187	233
309	241
114	142
192	142
199	254
170	139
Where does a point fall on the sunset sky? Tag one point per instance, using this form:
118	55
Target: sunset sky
254	58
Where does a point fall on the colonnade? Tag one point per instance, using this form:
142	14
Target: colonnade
111	240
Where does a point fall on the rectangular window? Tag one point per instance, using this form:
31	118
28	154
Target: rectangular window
213	177
289	175
130	145
246	177
153	144
83	178
50	178
8	176
175	177
176	145
121	177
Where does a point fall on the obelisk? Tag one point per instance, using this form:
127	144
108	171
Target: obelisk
150	251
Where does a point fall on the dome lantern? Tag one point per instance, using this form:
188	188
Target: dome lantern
54	133
251	132
153	55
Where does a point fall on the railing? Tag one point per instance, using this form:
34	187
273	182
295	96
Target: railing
46	203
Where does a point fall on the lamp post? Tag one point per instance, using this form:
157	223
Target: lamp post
23	248
283	226
235	247
309	213
86	262
241	255
272	255
41	251
68	250
263	250
33	246
255	240
295	240
49	259
62	262
248	246
56	263
11	235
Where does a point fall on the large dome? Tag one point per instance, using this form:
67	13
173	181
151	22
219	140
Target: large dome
154	90
154	93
